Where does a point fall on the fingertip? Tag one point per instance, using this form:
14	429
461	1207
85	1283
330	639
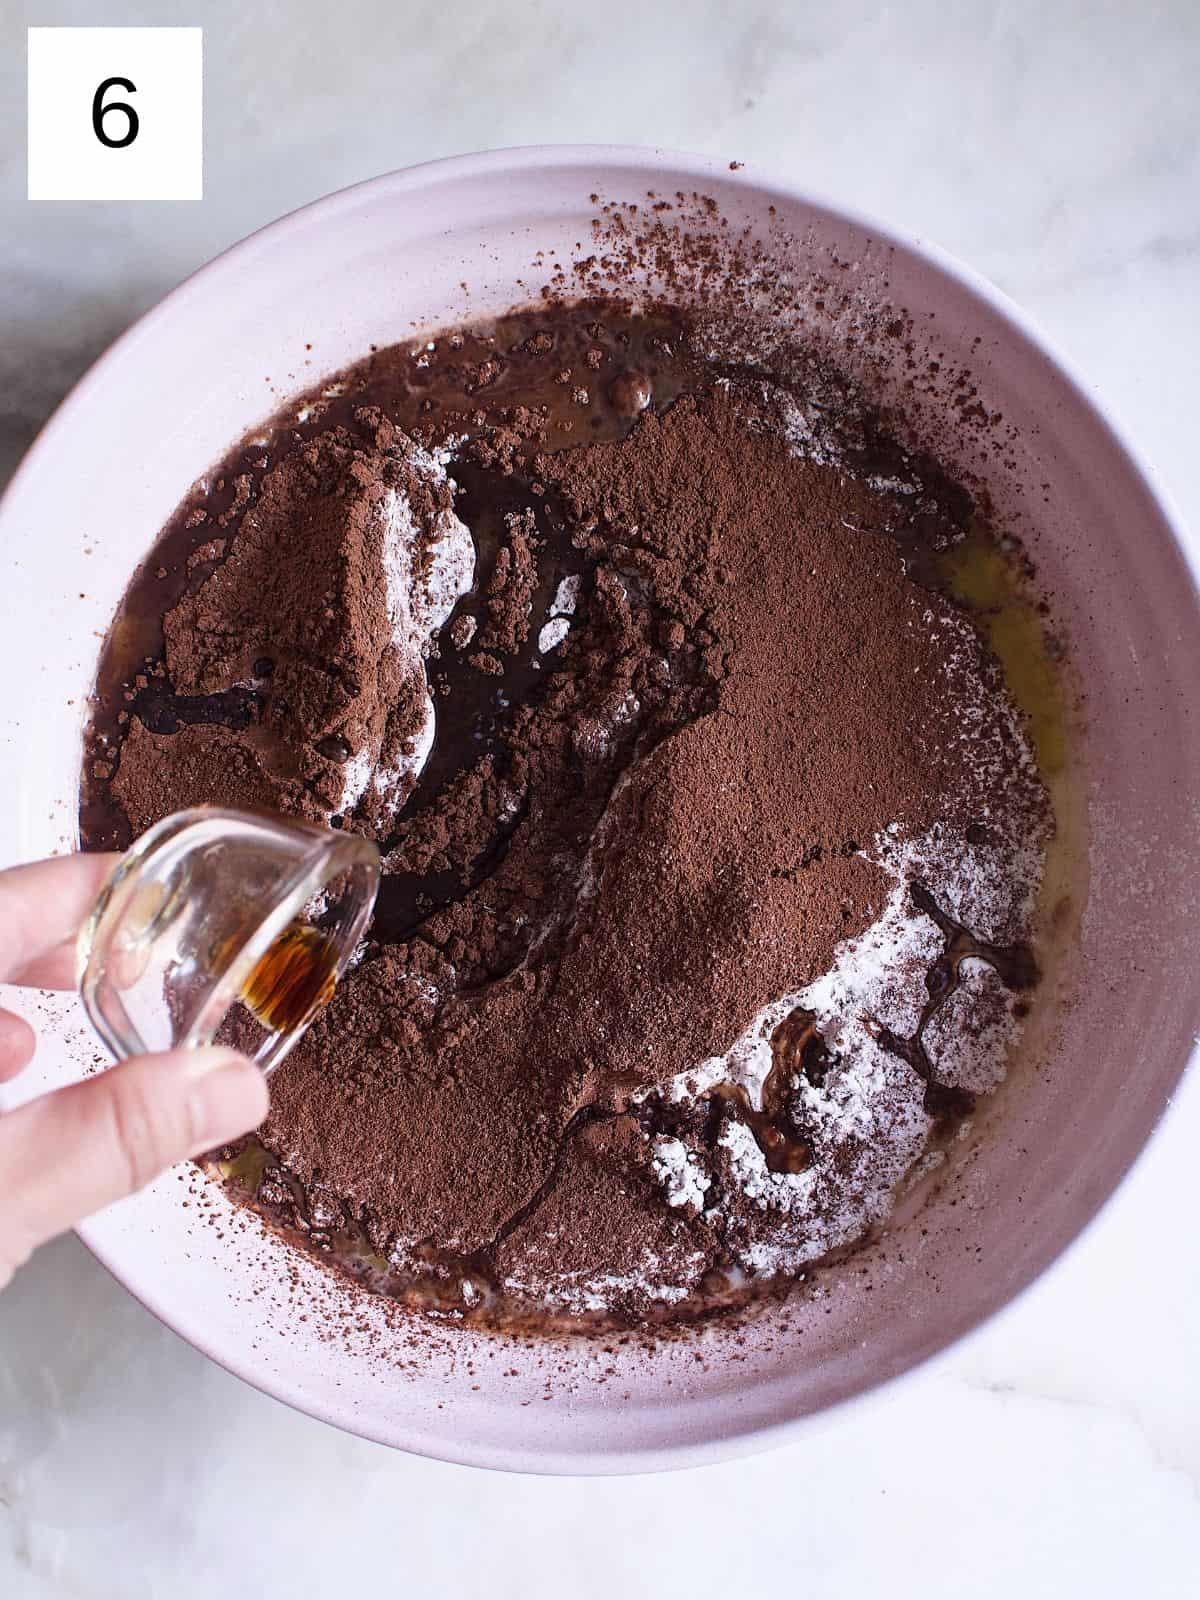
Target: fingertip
17	1045
228	1092
201	1061
70	1152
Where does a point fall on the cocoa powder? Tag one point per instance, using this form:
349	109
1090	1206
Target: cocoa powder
298	612
662	824
643	915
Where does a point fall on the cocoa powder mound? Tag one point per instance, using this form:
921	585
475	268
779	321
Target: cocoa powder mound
297	614
696	729
754	690
691	687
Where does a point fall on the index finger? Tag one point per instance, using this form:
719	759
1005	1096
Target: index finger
41	908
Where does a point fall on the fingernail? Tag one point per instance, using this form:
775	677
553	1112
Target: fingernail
200	1063
229	1097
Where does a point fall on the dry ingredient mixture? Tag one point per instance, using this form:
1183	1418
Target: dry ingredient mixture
713	835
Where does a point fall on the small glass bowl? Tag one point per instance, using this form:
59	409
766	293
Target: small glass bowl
216	914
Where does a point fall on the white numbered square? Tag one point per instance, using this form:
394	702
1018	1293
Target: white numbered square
116	114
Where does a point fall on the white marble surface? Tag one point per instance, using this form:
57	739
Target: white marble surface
1054	145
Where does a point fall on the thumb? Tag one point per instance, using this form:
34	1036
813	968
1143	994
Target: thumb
72	1152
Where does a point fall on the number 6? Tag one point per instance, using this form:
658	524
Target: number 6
100	111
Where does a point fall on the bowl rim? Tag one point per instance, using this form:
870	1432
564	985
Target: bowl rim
750	1437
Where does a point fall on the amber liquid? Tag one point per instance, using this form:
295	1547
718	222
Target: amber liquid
293	980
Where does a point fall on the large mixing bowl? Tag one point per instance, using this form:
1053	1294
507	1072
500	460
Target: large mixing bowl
374	265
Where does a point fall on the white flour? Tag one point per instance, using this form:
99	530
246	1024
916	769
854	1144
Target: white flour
420	598
866	1121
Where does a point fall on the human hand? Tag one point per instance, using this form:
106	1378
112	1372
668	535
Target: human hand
71	1152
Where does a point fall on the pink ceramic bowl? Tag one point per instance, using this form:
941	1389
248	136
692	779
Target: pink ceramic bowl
376	264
